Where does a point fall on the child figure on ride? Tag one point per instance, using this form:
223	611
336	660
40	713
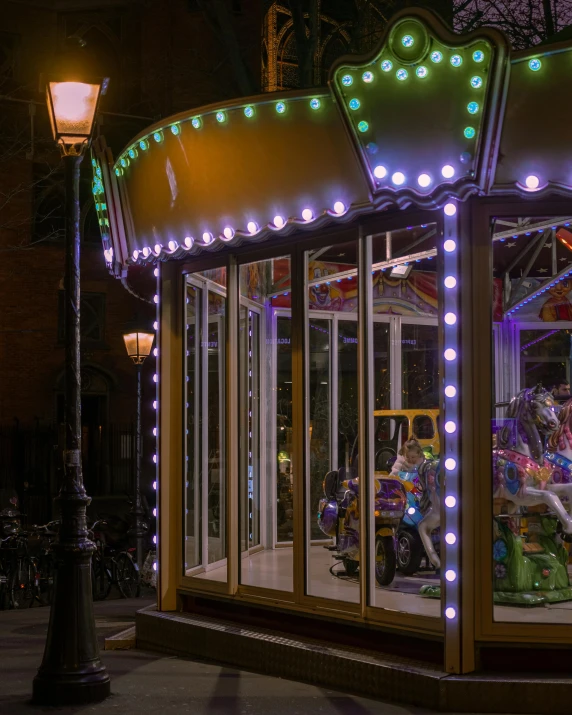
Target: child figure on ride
409	458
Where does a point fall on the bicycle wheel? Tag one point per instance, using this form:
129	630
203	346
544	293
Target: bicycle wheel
100	582
24	584
127	576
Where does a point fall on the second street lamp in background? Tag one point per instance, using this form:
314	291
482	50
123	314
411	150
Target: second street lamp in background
138	343
71	671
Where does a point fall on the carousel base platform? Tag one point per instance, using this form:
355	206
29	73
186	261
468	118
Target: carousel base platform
349	669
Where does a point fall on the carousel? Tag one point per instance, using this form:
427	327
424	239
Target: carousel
363	344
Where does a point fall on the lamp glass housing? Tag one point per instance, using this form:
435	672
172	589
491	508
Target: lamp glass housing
72	107
138	345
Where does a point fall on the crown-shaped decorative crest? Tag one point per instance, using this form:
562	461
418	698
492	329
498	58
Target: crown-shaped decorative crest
423	110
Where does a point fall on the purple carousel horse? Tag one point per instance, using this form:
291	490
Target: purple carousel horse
523	473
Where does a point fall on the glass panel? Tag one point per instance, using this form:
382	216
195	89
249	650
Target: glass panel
404	522
193	511
531	495
332	487
205	494
420	366
265	426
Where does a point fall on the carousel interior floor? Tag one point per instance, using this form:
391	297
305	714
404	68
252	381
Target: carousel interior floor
273	569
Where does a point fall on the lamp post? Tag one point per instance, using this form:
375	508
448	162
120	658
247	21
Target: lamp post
71	671
138	343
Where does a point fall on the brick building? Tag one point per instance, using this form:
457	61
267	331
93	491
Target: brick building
160	57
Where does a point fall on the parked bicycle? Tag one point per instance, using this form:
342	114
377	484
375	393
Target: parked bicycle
110	567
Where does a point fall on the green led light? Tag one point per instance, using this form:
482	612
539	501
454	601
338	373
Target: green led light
175	129
401	75
354	104
367	77
422	72
387	65
476	82
94	163
478	56
436	56
347	80
315	103
407	41
196	122
535	64
469	132
157	136
132	153
456	60
249	112
117	171
363	126
143	144
280	107
472	107
220	117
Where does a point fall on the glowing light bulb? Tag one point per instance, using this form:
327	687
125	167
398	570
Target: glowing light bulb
450	210
472	107
135	254
188	241
450	391
422	72
339	207
154	538
155	378
450	427
155	325
146	252
449	245
220	117
450	318
175	129
535	64
172	245
143	145
196	122
156	299
154	565
279	221
154	511
450	502
476	82
469	132
380	172
157	136
347	80
450	575
252	227
450	538
367	77
401	75
424	180
450	282
156	272
450	613
398	178
315	103
447	171
207	237
532	181
450	463
228	232
154	404
387	65
354	104
478	56
456	60
363	126
411	510
436	56
450	354
307	214
280	107
407	41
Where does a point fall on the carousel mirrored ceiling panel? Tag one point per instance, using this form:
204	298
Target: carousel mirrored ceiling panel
332	512
205	539
266	481
531	421
404	509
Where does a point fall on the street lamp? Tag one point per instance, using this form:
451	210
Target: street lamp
71	671
138	343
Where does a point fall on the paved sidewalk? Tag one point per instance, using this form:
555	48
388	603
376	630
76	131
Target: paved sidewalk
145	682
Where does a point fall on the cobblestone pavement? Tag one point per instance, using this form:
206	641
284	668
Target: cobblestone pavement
144	682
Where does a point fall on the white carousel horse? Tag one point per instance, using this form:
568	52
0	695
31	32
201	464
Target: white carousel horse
524	473
430	507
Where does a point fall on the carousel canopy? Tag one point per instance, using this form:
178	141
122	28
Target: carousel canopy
427	116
